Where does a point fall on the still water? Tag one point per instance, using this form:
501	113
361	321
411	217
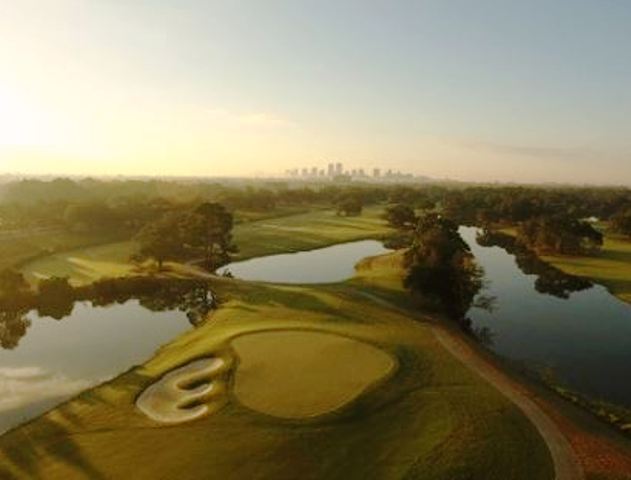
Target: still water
45	361
324	265
583	340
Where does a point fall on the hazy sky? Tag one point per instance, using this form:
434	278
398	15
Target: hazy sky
479	90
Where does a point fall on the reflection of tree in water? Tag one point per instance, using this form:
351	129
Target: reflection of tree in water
196	299
550	280
193	297
13	326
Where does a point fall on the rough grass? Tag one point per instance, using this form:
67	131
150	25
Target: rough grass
433	419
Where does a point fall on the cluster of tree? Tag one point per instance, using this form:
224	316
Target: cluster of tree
510	205
441	268
621	222
205	230
349	205
400	216
559	235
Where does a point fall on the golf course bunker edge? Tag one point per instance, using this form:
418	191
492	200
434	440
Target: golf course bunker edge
300	374
186	393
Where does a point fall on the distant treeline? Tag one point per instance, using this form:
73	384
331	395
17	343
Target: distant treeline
91	204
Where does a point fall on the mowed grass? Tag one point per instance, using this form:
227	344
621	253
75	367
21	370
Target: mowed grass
286	233
84	265
307	231
432	419
15	251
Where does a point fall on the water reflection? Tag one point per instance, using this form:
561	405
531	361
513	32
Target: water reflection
548	321
550	280
109	327
13	326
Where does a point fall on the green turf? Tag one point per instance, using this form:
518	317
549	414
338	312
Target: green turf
83	265
307	231
432	420
31	245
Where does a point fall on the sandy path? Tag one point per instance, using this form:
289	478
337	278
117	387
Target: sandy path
566	463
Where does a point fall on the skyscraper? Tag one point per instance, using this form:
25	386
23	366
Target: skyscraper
338	169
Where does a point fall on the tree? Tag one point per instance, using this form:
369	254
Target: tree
350	205
400	216
441	266
161	240
621	222
210	227
560	234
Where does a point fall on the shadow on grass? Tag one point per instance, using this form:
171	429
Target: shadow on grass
52	438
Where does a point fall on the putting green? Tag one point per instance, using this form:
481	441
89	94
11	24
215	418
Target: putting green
300	374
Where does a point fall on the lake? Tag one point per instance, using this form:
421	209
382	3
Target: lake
46	361
584	340
324	265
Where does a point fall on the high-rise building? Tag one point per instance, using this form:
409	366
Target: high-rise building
338	169
314	171
330	170
305	172
376	172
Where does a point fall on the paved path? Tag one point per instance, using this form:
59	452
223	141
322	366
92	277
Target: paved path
566	464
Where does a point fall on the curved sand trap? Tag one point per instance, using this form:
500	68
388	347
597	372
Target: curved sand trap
187	393
300	374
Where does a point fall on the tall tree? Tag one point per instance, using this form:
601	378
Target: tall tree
211	228
441	266
162	240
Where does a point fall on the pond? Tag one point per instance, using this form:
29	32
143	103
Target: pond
324	265
555	323
45	361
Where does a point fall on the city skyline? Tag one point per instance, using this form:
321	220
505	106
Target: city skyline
484	91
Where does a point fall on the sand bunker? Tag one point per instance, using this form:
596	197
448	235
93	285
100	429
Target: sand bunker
300	374
187	393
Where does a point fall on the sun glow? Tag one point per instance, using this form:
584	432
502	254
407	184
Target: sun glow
23	124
